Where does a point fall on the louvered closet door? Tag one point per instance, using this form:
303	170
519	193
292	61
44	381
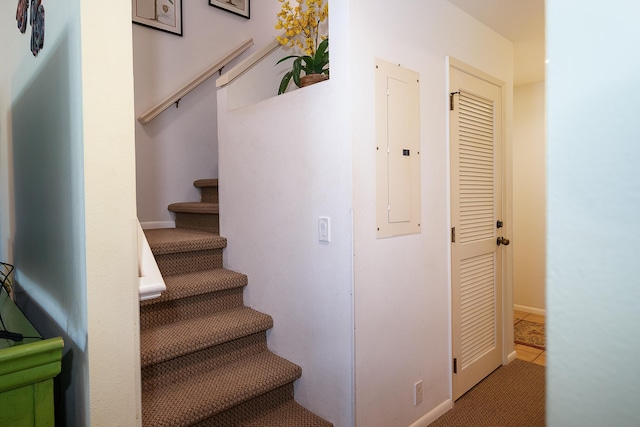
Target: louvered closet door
475	209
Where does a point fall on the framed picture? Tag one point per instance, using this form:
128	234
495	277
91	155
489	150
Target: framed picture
239	7
163	15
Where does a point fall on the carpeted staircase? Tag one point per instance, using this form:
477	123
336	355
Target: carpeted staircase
204	355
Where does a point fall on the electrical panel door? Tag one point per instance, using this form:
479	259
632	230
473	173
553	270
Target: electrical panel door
398	150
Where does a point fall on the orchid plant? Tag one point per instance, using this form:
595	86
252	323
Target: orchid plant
302	27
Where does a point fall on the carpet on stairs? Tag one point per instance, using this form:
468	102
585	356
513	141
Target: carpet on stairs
204	354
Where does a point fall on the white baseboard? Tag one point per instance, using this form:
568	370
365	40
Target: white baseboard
434	414
512	356
158	224
531	310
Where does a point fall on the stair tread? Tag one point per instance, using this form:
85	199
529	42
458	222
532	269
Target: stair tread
194	399
195	207
198	283
171	240
202	183
165	342
289	414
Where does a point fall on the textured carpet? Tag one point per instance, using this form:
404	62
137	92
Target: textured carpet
529	333
512	396
204	355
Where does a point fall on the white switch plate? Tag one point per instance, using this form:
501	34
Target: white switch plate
324	234
417	393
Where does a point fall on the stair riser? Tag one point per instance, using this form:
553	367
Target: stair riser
249	409
209	195
189	308
197	221
185	262
194	364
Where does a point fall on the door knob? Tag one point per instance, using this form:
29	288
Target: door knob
502	241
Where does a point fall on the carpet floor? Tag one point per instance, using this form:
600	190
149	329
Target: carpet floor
512	396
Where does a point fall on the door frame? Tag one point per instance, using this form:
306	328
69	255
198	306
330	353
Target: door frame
508	352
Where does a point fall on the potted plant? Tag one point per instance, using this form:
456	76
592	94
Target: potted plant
302	26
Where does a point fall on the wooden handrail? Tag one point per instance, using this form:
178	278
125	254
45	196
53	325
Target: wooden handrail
246	64
177	96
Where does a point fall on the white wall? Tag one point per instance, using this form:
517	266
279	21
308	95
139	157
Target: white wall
529	197
287	160
402	286
65	126
284	162
180	145
42	221
593	288
110	215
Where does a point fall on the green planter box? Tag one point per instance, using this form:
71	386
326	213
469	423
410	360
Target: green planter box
27	369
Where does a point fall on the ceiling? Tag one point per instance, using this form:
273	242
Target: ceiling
522	22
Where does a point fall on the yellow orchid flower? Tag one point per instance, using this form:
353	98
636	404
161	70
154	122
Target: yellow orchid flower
301	24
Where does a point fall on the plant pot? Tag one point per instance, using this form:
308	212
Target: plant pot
310	79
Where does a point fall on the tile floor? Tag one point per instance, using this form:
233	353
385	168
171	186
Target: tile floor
530	354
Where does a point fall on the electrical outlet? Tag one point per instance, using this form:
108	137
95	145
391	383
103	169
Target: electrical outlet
417	393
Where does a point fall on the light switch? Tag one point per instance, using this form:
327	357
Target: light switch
323	229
